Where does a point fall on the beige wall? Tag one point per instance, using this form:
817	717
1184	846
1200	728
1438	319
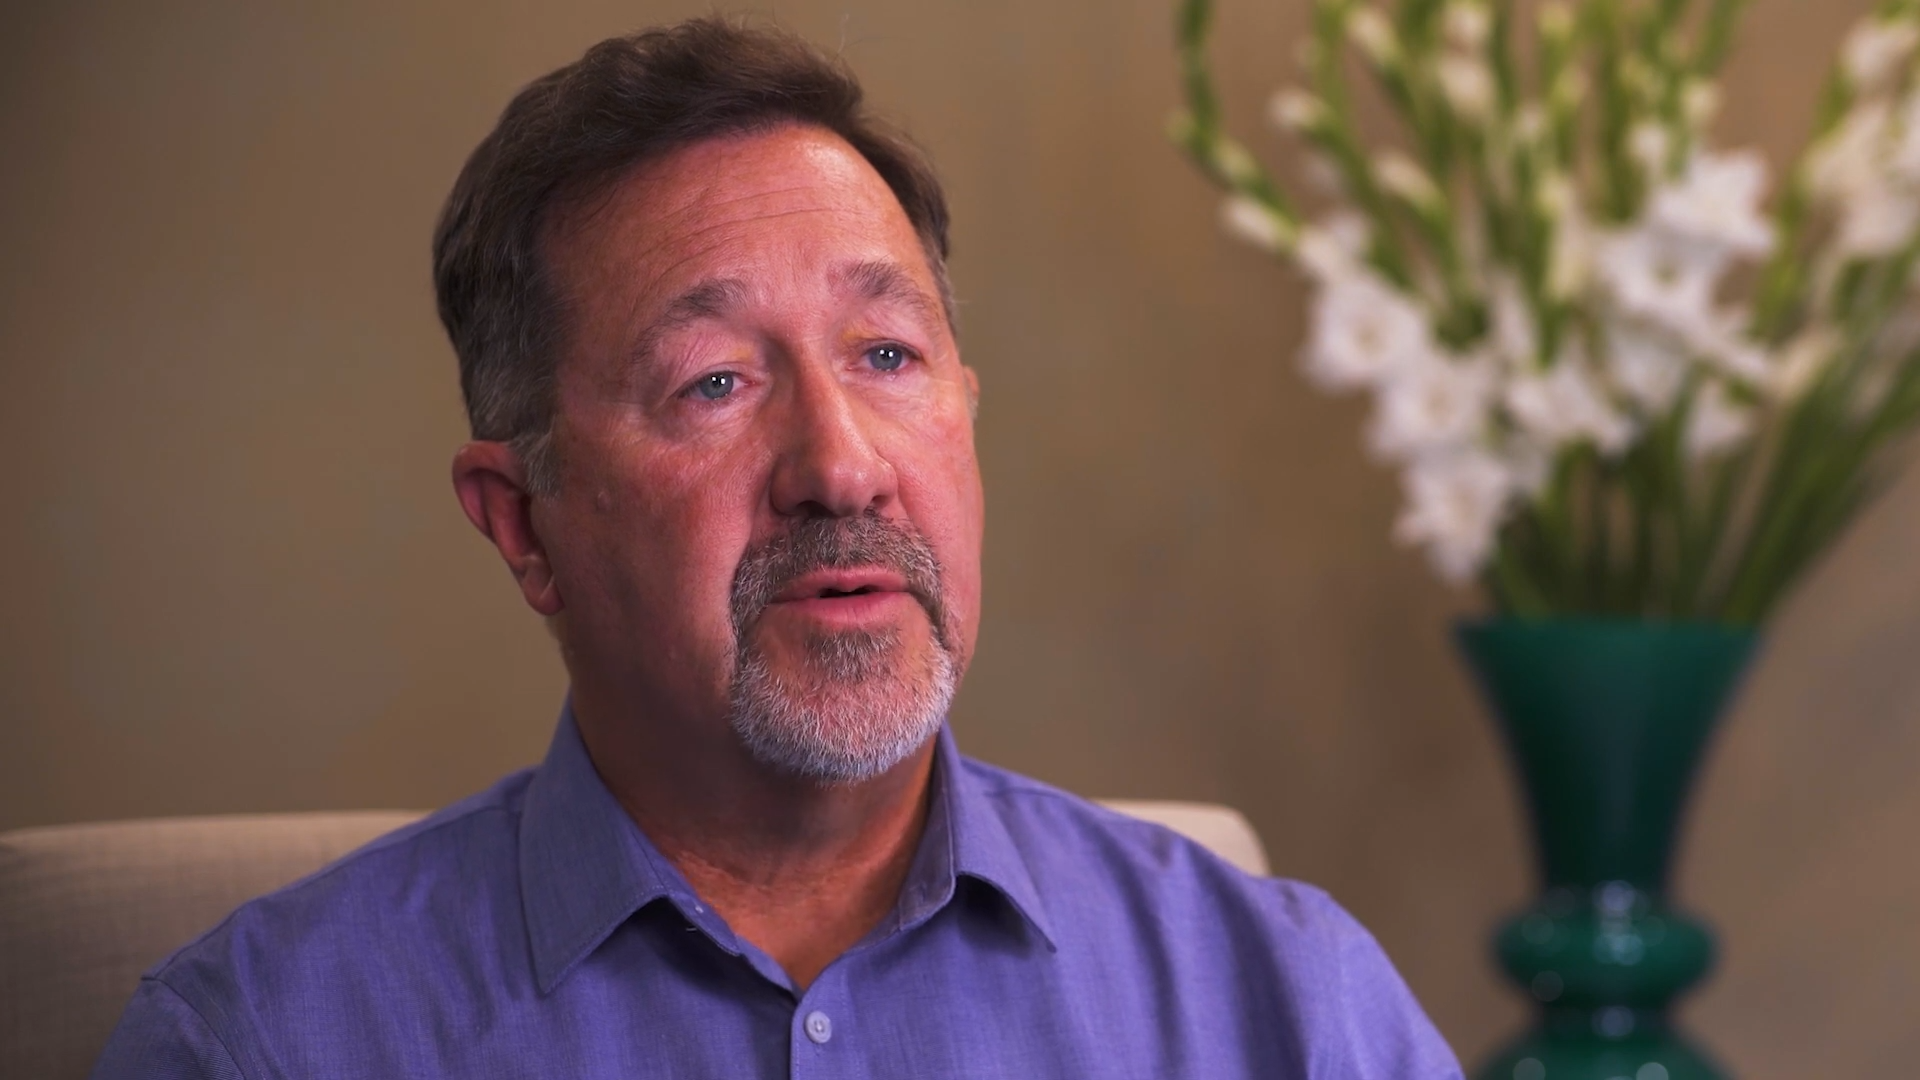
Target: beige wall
236	578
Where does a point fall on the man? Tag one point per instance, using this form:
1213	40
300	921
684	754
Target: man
723	442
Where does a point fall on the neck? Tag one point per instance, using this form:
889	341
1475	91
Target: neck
803	870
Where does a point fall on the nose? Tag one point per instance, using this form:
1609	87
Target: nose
828	465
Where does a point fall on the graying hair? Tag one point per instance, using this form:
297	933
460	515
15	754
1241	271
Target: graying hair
853	714
571	133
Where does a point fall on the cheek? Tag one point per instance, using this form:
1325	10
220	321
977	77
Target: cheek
940	483
697	516
666	531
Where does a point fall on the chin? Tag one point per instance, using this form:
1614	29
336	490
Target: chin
852	706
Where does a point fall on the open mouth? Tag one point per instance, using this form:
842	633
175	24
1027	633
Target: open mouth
848	598
841	584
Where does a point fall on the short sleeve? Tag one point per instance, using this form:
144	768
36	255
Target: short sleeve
162	1037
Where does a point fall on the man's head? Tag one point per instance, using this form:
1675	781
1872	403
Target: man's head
723	436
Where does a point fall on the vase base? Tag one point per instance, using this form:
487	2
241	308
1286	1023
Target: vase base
1543	1054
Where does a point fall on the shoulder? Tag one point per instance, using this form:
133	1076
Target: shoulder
1132	896
432	887
1056	828
1080	852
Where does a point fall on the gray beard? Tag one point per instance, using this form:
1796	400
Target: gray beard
860	702
852	715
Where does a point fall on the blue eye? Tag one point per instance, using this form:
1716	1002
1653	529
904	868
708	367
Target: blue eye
716	386
887	357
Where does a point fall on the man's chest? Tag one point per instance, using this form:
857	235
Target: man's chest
636	1010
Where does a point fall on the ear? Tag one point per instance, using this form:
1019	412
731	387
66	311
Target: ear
492	486
973	391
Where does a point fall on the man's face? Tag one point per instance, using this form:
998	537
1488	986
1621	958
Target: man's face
769	508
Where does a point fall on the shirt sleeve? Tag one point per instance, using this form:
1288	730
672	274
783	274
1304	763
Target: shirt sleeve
1385	1033
161	1037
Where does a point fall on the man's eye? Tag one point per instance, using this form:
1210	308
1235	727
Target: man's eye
887	357
716	386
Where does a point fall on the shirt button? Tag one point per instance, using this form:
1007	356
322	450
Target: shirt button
819	1027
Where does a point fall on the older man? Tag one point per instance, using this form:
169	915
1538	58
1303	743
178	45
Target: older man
723	441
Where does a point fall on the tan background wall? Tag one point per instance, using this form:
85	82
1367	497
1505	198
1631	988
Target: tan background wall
235	578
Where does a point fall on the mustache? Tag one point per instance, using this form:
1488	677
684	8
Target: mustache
837	543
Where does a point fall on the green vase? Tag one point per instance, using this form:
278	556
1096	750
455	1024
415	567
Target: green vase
1606	722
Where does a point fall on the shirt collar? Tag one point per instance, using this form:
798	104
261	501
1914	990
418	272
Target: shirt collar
966	837
585	867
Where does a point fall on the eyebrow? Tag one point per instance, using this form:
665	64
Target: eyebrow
709	299
882	280
874	280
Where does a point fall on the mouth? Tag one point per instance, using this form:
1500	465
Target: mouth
841	585
845	599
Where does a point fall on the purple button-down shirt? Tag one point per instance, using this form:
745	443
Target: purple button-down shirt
533	931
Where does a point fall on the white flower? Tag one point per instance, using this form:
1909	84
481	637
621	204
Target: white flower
1699	103
1467	83
1334	247
1646	365
1565	404
1253	221
1650	144
1876	48
1736	355
1402	176
1876	220
1570	254
1234	162
1529	466
1802	360
1848	158
1715	424
1871	391
1903	157
1293	109
1721	340
1656	276
1530	123
1556	195
1569	261
1455	503
1373	33
1899	335
1322	174
1362	328
1466	24
1513	338
1431	402
1716	200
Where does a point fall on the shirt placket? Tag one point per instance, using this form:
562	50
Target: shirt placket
823	1031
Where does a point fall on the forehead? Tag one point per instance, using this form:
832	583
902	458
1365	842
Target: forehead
735	205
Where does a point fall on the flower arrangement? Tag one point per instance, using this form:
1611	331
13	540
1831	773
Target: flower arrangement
1614	381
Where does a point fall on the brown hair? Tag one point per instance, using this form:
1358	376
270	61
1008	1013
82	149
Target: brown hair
568	134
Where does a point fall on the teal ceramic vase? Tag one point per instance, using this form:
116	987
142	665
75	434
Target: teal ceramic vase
1606	722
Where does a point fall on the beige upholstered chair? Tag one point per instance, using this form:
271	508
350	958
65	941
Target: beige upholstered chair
84	909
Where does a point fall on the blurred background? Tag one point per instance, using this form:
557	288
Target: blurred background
237	579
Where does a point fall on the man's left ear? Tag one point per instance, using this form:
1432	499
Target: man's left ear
973	392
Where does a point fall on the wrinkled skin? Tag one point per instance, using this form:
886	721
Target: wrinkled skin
821	380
